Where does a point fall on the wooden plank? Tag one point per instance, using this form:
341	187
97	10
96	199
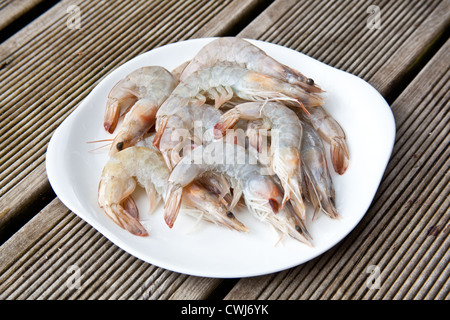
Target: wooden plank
38	262
336	33
14	206
11	11
236	13
405	232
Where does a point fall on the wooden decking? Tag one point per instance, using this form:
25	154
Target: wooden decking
47	68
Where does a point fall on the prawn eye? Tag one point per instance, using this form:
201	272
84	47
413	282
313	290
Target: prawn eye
119	146
310	81
299	230
230	215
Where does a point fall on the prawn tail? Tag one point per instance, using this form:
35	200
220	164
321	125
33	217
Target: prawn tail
227	121
125	220
161	126
339	155
112	114
130	206
178	71
172	204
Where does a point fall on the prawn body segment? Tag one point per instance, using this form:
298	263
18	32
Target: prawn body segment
317	177
221	83
121	97
139	95
242	52
119	179
286	131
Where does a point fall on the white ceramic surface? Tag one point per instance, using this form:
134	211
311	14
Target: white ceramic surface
207	250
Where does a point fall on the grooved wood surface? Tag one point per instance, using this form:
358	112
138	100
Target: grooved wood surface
47	69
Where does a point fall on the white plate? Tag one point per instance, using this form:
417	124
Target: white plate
206	249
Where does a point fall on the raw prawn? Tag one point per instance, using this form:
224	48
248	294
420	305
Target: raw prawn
141	92
215	183
221	83
331	132
317	177
146	167
190	125
286	132
119	179
242	52
262	193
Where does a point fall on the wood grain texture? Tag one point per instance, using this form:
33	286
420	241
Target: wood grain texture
336	33
14	204
405	231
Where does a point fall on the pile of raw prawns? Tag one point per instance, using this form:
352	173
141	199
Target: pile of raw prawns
232	127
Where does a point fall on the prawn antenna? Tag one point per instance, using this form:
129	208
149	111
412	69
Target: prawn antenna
101	147
97	141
